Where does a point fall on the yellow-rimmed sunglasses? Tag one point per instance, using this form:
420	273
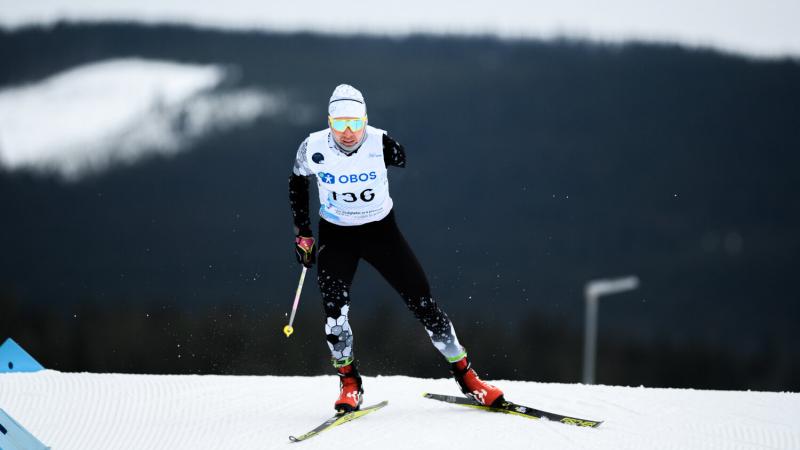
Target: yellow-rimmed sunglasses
341	124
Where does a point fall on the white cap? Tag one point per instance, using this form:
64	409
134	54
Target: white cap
347	101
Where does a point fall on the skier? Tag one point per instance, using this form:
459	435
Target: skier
350	160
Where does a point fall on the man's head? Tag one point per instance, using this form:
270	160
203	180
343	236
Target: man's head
347	117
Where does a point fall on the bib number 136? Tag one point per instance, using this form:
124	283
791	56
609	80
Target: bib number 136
366	195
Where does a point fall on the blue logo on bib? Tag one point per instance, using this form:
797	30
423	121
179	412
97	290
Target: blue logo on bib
318	158
356	177
326	178
329	178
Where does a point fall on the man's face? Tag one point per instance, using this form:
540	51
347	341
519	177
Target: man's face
348	137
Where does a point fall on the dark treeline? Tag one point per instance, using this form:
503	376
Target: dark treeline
533	168
244	340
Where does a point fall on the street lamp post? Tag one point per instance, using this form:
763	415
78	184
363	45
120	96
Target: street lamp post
592	292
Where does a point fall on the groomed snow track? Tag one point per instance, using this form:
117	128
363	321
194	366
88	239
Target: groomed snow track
85	411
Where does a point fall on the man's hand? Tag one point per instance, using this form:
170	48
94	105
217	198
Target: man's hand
305	251
394	154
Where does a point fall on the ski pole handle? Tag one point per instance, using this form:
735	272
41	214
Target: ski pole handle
288	330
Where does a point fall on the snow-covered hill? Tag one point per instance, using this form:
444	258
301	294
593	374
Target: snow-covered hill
112	411
116	111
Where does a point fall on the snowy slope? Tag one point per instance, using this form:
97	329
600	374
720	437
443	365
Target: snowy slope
112	411
116	111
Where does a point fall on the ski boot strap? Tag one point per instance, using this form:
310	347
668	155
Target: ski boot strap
461	372
349	371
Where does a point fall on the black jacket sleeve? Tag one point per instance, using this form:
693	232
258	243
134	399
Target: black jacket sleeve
394	154
298	201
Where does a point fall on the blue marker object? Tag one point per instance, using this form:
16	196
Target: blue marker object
14	358
14	437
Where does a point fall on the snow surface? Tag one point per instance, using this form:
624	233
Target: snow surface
92	116
112	411
750	26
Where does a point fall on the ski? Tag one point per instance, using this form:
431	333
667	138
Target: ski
518	410
337	420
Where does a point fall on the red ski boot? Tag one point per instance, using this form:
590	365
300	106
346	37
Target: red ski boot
350	389
473	387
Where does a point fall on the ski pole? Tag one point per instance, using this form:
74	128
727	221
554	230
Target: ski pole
288	330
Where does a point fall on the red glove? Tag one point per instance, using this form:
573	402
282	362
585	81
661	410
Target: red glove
305	251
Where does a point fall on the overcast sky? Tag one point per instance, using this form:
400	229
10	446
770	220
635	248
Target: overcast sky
762	28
